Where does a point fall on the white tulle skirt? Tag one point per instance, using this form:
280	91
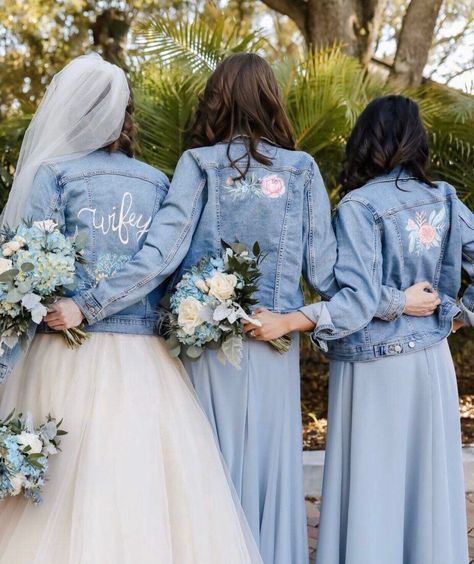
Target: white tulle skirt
139	479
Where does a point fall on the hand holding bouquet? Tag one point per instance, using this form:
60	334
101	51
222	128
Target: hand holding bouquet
209	302
24	454
37	266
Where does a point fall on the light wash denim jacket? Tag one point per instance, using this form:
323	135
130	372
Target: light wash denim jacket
113	199
396	235
285	207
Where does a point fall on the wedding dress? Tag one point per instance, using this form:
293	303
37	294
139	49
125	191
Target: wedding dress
139	479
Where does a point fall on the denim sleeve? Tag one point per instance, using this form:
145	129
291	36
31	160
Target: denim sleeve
165	247
358	272
45	202
319	240
320	252
392	303
466	218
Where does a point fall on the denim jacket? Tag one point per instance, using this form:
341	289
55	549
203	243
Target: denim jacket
284	206
113	199
396	233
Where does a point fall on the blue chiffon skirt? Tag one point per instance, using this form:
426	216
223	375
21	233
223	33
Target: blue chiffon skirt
393	488
256	416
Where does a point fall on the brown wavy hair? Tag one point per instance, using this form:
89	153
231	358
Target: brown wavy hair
242	99
128	136
389	133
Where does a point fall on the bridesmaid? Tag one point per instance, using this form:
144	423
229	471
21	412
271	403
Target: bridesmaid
244	180
393	487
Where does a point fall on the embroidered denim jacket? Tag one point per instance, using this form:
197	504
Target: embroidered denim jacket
112	199
396	233
284	206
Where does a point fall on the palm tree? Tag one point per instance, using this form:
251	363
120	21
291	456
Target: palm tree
324	93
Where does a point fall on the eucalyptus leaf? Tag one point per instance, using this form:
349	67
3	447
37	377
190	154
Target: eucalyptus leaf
9	275
14	296
27	267
194	352
174	353
81	240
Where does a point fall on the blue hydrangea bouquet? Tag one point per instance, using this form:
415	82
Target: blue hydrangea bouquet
24	454
37	266
209	302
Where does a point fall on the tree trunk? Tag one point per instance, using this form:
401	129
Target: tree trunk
352	23
110	33
414	42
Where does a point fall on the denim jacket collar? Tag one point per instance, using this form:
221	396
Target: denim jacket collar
398	173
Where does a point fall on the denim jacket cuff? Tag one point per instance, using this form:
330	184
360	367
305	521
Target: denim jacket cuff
396	306
319	314
89	306
467	313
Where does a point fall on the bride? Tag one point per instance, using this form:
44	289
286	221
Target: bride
140	479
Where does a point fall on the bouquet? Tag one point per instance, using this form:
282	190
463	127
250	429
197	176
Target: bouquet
209	302
37	266
24	454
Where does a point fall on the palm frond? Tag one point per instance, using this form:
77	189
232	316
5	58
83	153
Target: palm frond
165	107
194	43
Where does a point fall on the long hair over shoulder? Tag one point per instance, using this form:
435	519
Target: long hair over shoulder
242	99
389	133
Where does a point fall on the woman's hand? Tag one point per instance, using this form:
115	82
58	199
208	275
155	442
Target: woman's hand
64	314
457	324
275	325
421	300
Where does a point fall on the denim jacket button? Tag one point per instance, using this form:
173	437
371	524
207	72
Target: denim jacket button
398	348
411	344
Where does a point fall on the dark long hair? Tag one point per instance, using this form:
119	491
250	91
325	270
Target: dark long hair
128	136
242	98
389	133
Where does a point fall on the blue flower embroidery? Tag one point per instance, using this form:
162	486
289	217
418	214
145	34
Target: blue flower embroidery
270	186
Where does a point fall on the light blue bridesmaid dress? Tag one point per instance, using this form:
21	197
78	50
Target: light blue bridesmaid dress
393	481
256	417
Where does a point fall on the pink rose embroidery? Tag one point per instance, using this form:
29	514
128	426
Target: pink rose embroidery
424	231
272	186
427	234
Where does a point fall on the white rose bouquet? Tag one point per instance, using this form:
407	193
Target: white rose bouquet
37	266
209	302
24	454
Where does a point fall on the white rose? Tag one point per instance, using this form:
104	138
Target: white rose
189	315
11	248
17	482
222	286
201	285
30	440
5	265
50	449
48	226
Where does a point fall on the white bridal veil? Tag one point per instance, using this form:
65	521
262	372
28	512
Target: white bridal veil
82	110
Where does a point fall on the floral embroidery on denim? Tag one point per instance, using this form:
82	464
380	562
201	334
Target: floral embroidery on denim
270	186
424	231
107	264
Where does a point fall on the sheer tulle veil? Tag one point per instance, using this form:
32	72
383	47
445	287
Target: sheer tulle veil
82	110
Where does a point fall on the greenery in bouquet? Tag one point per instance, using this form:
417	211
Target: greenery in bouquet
210	301
37	266
24	455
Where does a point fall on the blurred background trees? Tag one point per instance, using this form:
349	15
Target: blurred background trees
331	58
